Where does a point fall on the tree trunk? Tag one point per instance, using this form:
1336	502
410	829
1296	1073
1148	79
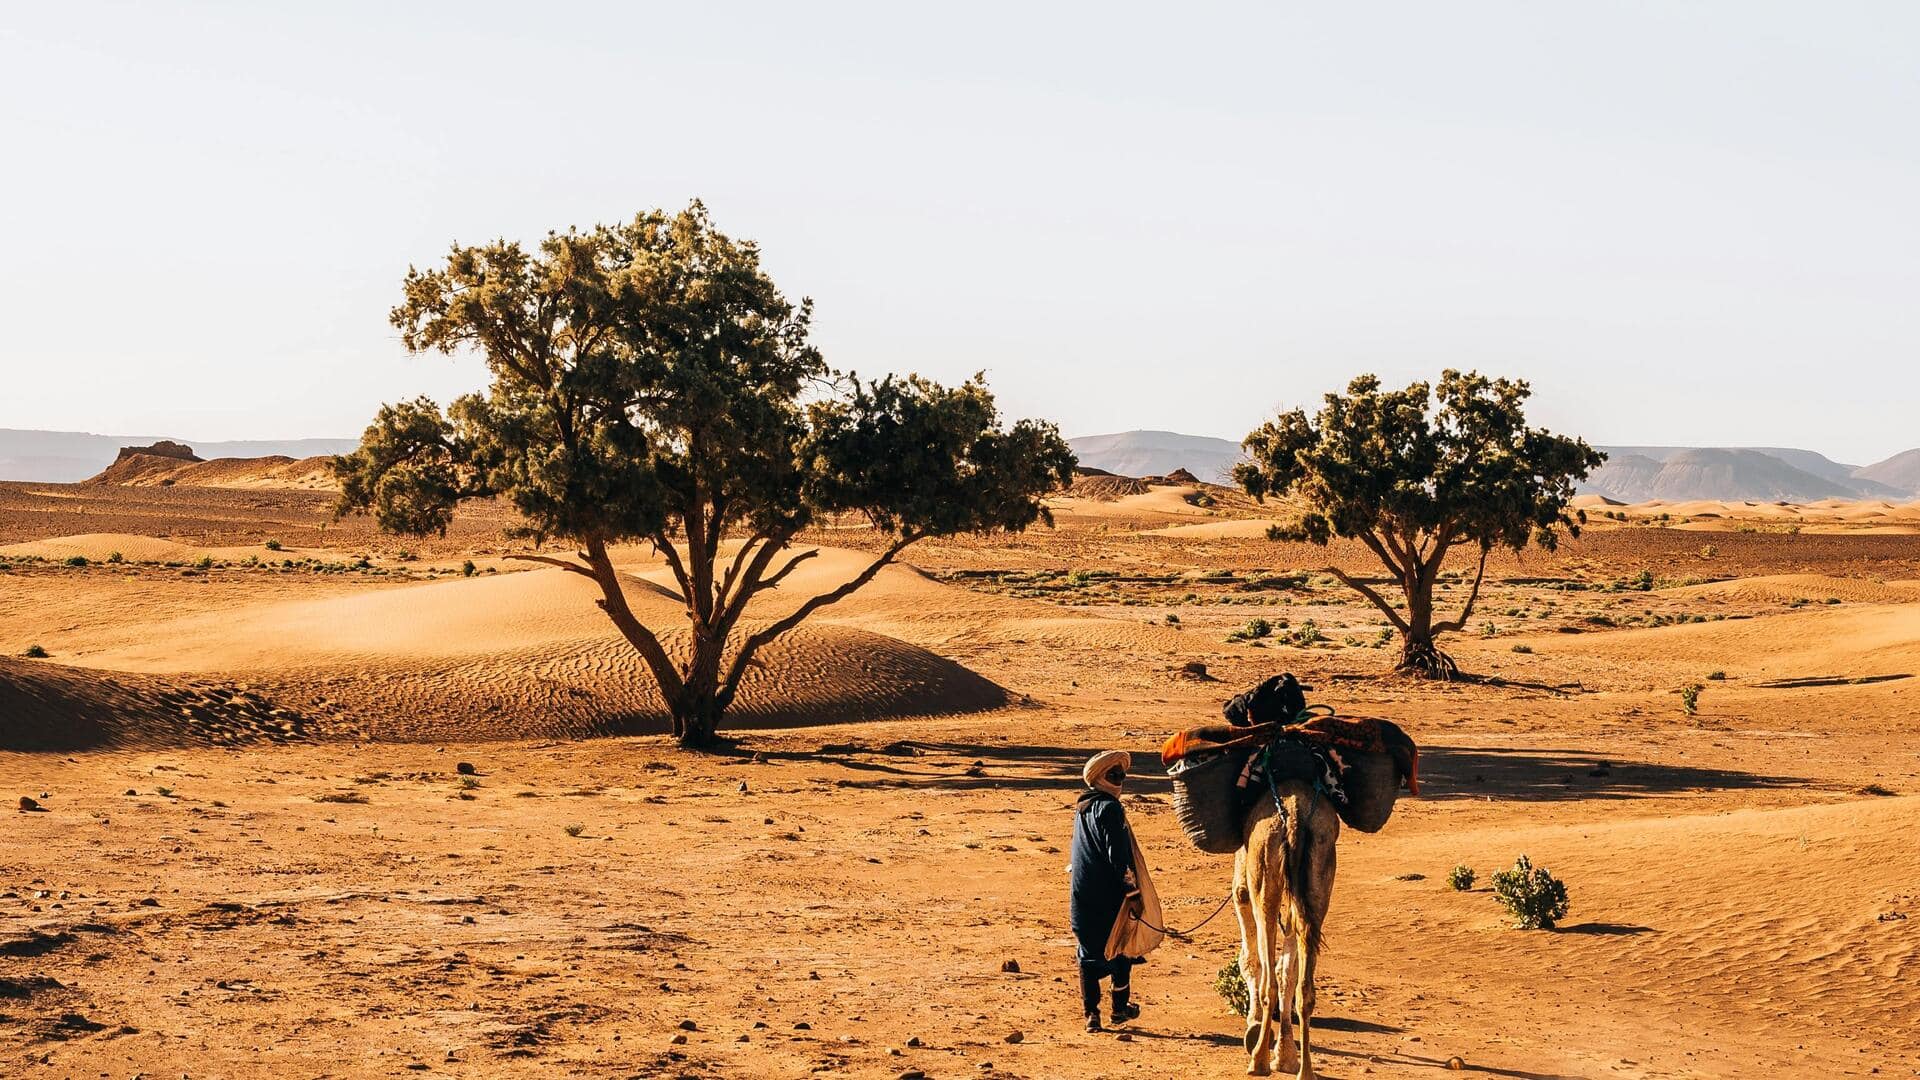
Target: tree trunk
1418	653
697	708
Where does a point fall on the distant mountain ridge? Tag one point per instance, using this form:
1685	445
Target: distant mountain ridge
1631	474
1743	474
1157	453
68	457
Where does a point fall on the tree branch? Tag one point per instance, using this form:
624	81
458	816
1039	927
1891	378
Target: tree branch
551	561
614	602
1467	611
774	581
664	545
757	641
1367	591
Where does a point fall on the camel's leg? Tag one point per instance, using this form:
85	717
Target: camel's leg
1249	933
1267	871
1284	1007
1320	851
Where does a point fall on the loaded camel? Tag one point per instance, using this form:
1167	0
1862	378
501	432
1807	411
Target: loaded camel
1282	884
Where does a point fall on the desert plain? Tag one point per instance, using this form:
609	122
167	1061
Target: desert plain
302	800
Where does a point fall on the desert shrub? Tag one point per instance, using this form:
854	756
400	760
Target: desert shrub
1716	676
341	797
205	563
273	545
76	560
1643	581
36	652
1531	894
1690	698
574	830
1489	630
1380	640
1709	551
1833	600
467	568
1172	619
1255	629
115	557
1523	649
1306	634
1461	877
1231	985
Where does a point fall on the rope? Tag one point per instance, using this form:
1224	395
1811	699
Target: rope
1185	933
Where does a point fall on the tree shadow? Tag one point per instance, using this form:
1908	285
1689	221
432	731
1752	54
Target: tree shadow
963	766
1606	929
1553	775
1487	1070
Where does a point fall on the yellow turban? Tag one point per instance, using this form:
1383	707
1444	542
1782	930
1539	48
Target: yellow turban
1095	774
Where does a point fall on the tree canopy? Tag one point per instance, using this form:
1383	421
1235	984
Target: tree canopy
649	382
1414	474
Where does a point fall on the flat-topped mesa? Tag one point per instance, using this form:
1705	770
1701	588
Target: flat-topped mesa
164	448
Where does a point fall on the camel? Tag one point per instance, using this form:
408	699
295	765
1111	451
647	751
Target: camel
1282	883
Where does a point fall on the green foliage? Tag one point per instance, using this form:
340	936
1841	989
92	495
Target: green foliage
1690	698
1716	676
1523	649
467	568
1532	895
1461	877
1643	581
205	563
1305	635
273	545
116	558
1413	474
1231	985
76	560
36	652
649	382
573	830
1172	619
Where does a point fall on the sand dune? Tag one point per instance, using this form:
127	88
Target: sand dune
276	471
1810	588
1237	529
45	706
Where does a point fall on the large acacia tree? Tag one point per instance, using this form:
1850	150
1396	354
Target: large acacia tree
1415	474
650	383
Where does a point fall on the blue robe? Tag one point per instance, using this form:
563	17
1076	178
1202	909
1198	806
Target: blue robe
1102	858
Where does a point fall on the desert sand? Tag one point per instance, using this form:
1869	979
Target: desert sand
257	853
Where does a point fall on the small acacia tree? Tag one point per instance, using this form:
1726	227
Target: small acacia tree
649	383
1414	474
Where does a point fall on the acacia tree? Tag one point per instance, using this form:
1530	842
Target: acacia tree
1414	474
650	383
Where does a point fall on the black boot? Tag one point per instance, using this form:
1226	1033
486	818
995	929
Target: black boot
1123	1008
1090	996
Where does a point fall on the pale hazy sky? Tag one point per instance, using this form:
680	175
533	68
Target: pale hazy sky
1689	223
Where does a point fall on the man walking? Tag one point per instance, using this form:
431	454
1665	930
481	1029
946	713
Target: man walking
1111	892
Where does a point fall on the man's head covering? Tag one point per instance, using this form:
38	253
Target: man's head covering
1100	764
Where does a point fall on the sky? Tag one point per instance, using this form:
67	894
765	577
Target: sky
1685	223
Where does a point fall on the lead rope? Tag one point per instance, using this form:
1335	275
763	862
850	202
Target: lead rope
1185	933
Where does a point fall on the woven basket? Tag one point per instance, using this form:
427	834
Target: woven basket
1203	800
1372	784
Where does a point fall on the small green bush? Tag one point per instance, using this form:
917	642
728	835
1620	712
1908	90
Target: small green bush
273	545
575	830
76	560
1232	987
1716	676
1644	581
1532	895
1690	698
1461	877
1523	649
36	652
205	563
1172	619
467	569
115	557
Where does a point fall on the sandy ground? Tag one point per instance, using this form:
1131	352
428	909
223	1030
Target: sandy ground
257	854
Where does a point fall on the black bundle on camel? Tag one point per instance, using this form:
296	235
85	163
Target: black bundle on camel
1358	764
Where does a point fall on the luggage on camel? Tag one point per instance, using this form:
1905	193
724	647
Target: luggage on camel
1218	771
